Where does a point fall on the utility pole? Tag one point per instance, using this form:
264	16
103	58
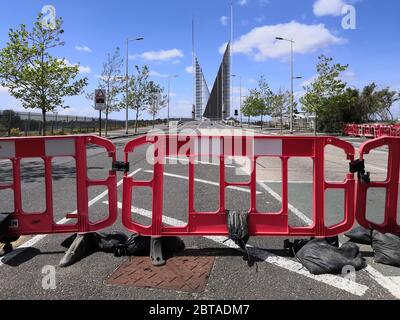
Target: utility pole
127	81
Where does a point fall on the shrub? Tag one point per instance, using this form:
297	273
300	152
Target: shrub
14	132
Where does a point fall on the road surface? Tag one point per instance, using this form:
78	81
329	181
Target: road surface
278	276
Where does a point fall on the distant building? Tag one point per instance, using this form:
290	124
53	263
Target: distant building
202	92
218	103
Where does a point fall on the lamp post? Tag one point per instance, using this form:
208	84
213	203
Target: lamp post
127	80
169	94
291	80
240	103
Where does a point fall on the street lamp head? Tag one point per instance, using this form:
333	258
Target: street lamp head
279	38
139	39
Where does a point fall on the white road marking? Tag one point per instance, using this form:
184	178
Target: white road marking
185	160
368	166
290	182
38	238
292	208
216	184
290	265
383	281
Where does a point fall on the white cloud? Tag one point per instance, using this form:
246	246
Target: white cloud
156	74
242	2
328	7
224	20
189	69
162	55
346	76
349	76
82	69
261	44
83	48
3	89
309	81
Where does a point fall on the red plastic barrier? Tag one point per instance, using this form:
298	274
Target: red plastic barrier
371	130
48	148
391	186
260	223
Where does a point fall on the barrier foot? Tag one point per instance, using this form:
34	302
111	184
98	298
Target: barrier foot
156	253
7	248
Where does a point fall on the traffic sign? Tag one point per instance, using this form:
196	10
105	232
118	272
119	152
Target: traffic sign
100	99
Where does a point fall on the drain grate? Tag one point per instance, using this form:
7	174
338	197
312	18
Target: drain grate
185	274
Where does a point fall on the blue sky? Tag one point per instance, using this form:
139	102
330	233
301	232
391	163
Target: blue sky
94	28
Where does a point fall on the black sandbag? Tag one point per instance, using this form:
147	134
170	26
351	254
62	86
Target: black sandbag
3	224
320	257
172	246
387	248
107	242
295	246
237	223
67	243
139	246
360	235
136	245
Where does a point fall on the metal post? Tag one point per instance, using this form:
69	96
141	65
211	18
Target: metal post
100	123
127	88
291	95
169	97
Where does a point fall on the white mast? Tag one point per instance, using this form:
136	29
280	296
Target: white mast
231	60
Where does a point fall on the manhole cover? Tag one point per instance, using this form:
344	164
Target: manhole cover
185	274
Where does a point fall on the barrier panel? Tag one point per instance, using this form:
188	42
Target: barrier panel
371	130
390	185
223	147
48	148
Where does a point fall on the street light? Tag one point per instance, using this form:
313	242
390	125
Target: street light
291	81
127	80
240	104
169	93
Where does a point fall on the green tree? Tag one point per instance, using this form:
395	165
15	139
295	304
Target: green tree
266	95
110	80
322	92
280	105
156	100
31	74
253	105
138	92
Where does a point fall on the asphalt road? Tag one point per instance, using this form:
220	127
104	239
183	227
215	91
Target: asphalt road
278	276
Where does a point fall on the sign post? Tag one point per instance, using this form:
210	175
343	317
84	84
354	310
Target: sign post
100	104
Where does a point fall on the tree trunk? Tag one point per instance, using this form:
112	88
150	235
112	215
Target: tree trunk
106	129
315	124
154	119
281	123
136	122
262	122
44	122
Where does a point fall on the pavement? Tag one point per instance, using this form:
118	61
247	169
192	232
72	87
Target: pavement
277	276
